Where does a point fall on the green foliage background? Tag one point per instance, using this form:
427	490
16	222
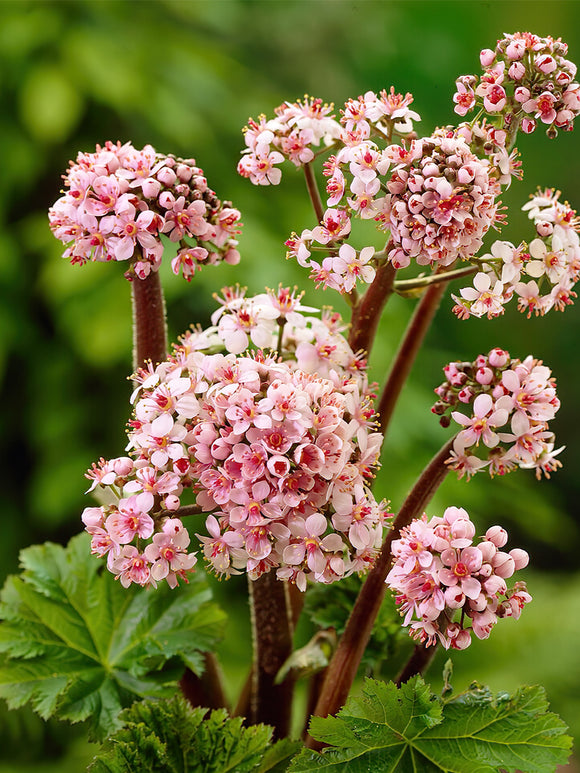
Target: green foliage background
184	75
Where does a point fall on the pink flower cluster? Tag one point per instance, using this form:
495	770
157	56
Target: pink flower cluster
447	587
277	321
441	201
298	127
278	457
119	201
510	404
354	186
113	529
526	79
550	264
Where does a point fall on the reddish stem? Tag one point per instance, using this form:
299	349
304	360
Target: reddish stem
410	345
345	662
149	327
313	192
417	663
367	312
207	689
272	632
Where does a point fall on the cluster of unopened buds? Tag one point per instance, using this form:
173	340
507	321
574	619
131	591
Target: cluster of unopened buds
511	403
550	264
526	79
279	458
447	587
119	201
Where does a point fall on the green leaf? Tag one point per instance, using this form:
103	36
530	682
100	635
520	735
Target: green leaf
168	736
79	646
408	729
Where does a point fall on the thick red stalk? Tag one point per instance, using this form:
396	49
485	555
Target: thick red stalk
149	326
272	632
410	345
367	312
345	662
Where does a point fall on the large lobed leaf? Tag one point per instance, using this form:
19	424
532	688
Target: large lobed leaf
408	730
168	736
80	646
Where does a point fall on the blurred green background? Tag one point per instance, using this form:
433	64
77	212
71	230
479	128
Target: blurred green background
185	76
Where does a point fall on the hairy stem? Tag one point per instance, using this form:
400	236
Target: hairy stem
149	327
405	357
272	632
344	664
417	663
367	312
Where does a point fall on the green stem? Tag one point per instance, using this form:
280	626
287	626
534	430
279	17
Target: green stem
272	632
367	312
410	345
149	327
407	285
345	662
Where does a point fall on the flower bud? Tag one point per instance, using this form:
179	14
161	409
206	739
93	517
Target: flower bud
520	557
486	57
497	535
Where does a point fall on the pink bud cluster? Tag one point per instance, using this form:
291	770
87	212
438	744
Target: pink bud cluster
278	457
441	201
510	404
119	201
526	79
449	588
541	275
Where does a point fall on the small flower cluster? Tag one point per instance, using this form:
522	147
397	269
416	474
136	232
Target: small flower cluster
120	200
277	321
279	457
297	128
354	170
550	263
504	394
114	528
447	587
440	201
526	79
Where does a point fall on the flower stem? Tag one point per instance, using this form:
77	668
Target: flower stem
367	312
417	663
344	665
410	345
149	327
207	689
272	632
407	285
313	192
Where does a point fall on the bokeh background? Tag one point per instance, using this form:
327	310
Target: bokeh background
184	76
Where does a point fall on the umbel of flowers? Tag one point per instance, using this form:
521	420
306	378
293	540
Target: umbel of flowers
447	587
279	456
510	403
119	201
526	79
540	275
